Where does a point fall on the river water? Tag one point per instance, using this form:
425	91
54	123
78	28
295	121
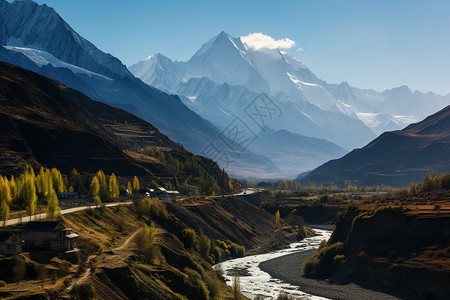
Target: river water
255	282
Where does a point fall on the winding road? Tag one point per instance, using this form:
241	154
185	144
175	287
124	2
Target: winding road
17	221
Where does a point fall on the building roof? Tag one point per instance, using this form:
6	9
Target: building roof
4	236
43	226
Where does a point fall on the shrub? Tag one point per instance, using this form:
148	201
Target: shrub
204	244
323	262
18	268
2	283
236	250
339	260
188	237
217	254
310	266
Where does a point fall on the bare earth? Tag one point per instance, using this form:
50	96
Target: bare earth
289	267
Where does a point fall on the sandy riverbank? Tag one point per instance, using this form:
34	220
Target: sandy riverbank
288	268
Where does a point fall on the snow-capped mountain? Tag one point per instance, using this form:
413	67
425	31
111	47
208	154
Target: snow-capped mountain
221	103
160	71
35	37
225	59
228	60
27	25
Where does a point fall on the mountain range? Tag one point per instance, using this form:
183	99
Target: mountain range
290	120
35	37
394	158
226	74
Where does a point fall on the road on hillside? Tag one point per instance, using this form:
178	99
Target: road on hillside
42	216
63	212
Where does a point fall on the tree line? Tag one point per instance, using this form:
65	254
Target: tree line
29	190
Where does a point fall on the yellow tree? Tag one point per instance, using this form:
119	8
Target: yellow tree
5	193
4	212
130	189
53	209
13	188
104	191
58	182
113	186
27	193
95	190
277	218
136	185
94	187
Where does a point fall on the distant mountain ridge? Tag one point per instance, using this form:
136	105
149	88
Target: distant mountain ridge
394	158
225	59
35	37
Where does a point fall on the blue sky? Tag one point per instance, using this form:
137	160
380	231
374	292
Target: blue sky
370	44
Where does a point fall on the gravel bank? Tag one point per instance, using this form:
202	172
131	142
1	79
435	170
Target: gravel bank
288	268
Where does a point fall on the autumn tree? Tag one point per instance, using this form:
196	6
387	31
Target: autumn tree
277	218
53	209
136	185
5	193
58	182
4	212
113	187
94	187
44	184
104	190
26	191
129	189
13	188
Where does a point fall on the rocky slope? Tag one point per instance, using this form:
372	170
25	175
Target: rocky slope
44	122
395	158
391	247
35	37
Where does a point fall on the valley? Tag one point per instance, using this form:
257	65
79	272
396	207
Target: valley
239	166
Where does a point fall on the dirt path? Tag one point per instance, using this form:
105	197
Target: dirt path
88	271
127	241
82	278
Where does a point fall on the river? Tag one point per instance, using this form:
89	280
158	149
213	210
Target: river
255	282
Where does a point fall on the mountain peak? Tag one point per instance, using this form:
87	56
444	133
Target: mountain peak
28	24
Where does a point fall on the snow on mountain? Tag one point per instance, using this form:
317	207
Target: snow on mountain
35	37
160	70
221	103
28	24
224	59
42	58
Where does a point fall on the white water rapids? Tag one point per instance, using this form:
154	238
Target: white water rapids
255	282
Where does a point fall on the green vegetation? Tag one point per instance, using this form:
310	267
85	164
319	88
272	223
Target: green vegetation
210	179
326	259
189	238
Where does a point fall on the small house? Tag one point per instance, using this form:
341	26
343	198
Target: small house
10	244
47	235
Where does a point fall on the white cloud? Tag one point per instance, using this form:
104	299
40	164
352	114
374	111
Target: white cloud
258	40
300	50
